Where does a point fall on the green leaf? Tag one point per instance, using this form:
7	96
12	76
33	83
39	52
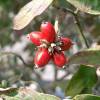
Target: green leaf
29	12
87	6
81	81
89	56
86	97
29	94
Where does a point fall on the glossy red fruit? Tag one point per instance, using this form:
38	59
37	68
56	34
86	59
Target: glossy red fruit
48	32
42	57
59	59
66	43
35	37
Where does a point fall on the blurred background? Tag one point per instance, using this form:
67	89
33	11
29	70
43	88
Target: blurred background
16	61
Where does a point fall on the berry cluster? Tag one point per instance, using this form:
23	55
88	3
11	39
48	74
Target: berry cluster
49	46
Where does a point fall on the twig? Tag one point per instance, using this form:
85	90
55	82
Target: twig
62	78
80	29
12	53
55	75
17	55
74	13
78	25
28	65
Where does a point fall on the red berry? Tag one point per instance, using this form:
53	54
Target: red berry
59	59
66	43
48	32
35	37
42	57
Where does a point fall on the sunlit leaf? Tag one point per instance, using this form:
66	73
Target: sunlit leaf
87	6
30	11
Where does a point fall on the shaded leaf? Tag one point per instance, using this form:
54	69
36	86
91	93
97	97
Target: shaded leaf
61	3
30	11
29	94
81	81
9	90
87	6
89	56
86	97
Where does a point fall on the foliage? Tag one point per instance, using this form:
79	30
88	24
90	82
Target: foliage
27	94
16	62
86	97
92	57
87	6
81	81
